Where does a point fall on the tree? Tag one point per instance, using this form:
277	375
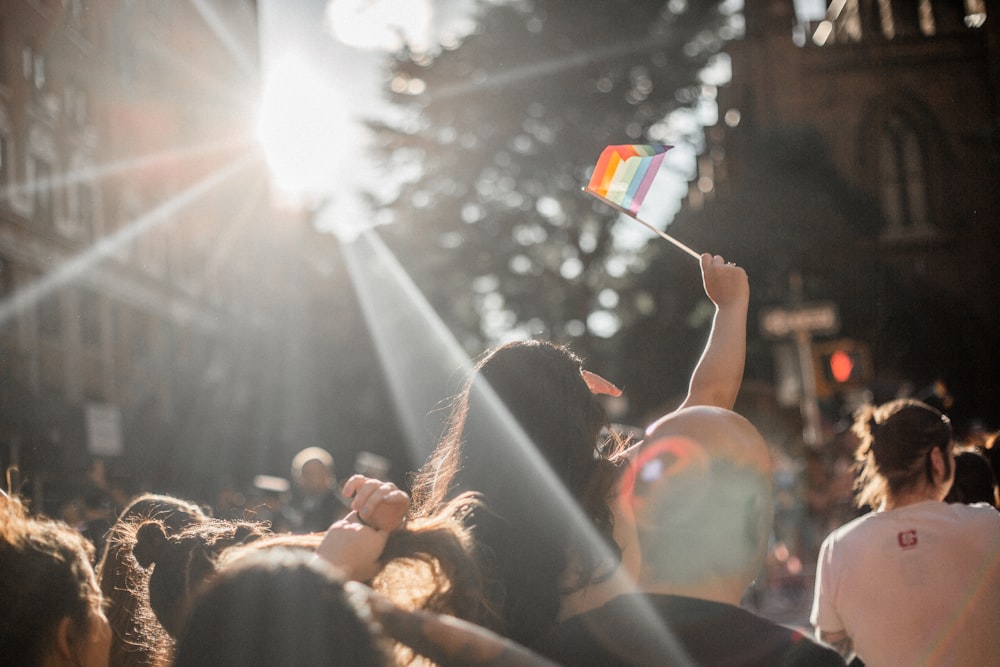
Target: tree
492	226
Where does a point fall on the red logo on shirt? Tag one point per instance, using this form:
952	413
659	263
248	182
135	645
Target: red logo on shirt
907	539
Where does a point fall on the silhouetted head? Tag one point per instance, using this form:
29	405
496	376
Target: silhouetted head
537	389
50	605
277	607
182	561
974	479
700	488
313	470
137	638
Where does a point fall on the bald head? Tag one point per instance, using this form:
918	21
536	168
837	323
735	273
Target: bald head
700	488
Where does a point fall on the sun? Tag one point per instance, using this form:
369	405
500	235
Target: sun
302	127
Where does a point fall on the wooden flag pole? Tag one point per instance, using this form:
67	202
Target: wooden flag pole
629	213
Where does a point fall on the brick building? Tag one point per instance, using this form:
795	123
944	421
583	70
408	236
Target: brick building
156	311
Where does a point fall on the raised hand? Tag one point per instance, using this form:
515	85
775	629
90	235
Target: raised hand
353	547
725	283
381	505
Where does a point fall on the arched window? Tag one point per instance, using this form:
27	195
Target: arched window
902	179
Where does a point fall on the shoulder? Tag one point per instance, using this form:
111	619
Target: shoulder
787	646
977	511
850	531
976	518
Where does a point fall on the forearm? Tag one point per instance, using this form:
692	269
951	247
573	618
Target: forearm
449	641
717	376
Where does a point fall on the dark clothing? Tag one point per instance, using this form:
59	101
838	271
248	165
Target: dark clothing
318	512
709	633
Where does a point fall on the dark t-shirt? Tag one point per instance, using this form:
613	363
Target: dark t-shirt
703	633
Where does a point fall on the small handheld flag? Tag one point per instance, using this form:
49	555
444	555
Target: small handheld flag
622	178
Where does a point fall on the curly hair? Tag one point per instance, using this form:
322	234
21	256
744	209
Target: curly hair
895	440
137	639
181	562
46	577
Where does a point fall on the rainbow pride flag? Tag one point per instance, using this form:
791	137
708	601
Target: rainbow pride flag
624	173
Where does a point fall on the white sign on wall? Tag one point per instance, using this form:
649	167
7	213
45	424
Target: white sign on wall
104	429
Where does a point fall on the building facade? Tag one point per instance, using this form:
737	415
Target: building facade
153	302
856	152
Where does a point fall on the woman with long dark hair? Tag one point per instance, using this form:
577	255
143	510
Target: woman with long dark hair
529	432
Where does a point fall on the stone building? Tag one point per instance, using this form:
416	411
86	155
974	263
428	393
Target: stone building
856	152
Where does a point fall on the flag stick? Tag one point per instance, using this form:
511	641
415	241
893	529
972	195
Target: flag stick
629	213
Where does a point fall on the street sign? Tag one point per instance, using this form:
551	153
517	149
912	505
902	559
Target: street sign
820	317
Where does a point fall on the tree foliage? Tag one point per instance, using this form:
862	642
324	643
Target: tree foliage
491	223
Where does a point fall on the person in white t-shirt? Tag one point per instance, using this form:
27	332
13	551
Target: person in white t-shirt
916	581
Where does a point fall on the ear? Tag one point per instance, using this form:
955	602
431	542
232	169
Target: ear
65	639
940	466
599	385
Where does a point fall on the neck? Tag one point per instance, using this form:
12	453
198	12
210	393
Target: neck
912	497
596	594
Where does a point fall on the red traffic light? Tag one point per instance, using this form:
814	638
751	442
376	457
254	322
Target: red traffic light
841	366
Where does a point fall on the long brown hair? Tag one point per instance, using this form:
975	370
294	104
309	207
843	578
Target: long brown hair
522	533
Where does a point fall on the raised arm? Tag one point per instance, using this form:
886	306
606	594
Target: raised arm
717	377
355	543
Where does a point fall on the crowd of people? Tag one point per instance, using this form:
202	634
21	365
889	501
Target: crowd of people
535	534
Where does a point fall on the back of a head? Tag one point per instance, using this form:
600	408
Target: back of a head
308	455
700	487
45	576
540	384
180	562
137	638
525	534
895	440
274	608
974	479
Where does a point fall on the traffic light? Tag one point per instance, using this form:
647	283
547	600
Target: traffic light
841	364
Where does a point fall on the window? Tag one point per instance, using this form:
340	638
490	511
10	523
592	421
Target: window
902	179
27	63
90	306
91	330
50	317
39	71
4	165
8	321
42	187
51	357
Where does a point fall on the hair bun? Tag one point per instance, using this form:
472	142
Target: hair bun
150	541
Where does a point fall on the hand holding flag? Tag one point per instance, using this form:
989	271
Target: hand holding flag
622	178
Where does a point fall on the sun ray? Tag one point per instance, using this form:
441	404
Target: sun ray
545	68
90	174
226	36
25	297
420	359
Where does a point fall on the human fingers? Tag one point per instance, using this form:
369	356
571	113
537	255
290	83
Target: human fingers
353	483
385	507
363	490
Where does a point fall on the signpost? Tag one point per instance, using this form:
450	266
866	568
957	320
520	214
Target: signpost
819	318
801	323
